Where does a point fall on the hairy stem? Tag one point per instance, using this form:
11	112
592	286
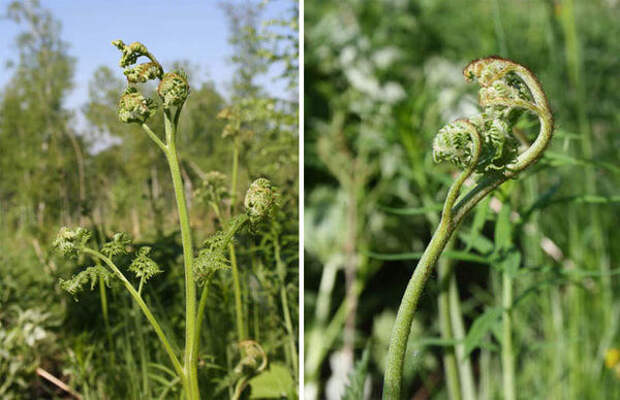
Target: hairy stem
404	317
191	357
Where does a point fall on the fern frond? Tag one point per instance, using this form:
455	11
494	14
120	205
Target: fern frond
68	242
90	274
117	246
143	266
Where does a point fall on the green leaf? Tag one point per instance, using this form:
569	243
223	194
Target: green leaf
357	378
454	254
143	266
559	159
117	246
275	383
480	218
477	242
480	328
510	263
503	229
412	211
90	274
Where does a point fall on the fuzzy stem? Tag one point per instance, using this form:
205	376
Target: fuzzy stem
404	317
191	357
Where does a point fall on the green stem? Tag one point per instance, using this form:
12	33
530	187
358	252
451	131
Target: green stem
507	354
238	223
281	267
140	286
191	357
104	309
468	387
233	184
145	309
237	289
201	310
404	317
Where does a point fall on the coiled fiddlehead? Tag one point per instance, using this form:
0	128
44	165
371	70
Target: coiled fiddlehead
484	145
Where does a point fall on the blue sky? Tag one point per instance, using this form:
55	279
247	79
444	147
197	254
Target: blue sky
193	30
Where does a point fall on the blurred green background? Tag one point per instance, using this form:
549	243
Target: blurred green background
381	77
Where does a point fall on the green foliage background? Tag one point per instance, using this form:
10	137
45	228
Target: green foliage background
381	77
53	174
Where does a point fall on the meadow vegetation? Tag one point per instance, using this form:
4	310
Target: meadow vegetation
177	207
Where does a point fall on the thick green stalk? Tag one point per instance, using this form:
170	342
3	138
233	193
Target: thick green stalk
404	318
233	259
508	371
191	356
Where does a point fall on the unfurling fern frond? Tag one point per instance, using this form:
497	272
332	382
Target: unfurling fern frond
260	200
485	145
69	241
90	274
143	266
117	246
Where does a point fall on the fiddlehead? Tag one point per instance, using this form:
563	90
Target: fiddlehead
506	89
483	145
459	143
505	86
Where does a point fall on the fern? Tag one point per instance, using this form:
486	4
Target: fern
91	274
143	266
118	245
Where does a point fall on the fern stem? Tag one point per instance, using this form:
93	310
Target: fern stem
191	357
404	317
237	289
235	172
201	311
